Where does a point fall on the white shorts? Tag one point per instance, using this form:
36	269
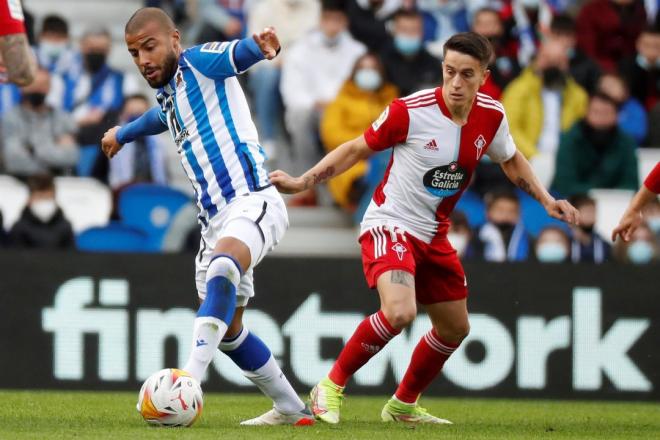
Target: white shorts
259	220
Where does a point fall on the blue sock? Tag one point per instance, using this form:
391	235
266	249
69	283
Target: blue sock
215	313
246	350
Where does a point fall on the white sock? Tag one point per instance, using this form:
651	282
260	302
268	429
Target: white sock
207	334
273	383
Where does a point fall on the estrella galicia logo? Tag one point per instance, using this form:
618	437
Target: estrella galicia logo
444	181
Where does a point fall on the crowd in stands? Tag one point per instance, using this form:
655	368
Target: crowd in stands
579	80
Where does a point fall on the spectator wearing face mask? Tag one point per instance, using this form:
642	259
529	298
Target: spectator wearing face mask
641	249
37	137
367	21
607	29
642	69
552	245
140	161
503	236
407	63
543	101
586	244
596	153
462	239
504	67
94	97
42	224
582	68
313	71
360	101
54	51
632	115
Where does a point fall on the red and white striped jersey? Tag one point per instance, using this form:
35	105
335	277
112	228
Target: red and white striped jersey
432	160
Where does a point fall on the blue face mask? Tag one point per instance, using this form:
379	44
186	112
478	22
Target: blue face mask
368	79
645	64
654	224
640	252
551	253
406	45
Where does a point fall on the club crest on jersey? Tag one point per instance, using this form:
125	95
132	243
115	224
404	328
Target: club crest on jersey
179	79
400	250
382	118
446	180
480	143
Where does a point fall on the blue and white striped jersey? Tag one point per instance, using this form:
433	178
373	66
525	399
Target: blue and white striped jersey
208	117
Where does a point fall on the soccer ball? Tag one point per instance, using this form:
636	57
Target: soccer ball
170	397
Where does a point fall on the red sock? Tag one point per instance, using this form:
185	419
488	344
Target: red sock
427	361
369	338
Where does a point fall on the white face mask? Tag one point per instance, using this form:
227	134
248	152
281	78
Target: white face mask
44	209
368	79
458	241
51	49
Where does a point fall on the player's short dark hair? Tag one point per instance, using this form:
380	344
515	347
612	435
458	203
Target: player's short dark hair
472	44
333	6
404	13
144	15
55	24
580	200
501	193
562	24
40	182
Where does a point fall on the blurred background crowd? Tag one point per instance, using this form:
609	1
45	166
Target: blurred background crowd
579	80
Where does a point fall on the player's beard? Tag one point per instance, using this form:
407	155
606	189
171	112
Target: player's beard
168	70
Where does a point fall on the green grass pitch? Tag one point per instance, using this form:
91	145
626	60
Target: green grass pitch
105	415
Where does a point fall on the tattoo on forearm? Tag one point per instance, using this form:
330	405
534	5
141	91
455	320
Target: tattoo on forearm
16	58
324	175
402	277
525	186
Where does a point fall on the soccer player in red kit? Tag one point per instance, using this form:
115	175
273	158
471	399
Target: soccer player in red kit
437	137
632	218
17	64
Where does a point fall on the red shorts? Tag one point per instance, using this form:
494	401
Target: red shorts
438	272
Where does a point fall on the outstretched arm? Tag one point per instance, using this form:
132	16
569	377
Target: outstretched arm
150	123
16	59
520	172
632	218
333	164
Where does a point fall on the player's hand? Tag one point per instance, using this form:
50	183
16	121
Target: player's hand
627	225
109	143
285	183
562	210
268	42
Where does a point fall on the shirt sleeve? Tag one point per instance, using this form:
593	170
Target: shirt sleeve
220	60
150	123
390	128
502	148
652	182
11	18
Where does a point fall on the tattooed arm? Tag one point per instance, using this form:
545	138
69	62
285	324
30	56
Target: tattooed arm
333	164
520	172
17	59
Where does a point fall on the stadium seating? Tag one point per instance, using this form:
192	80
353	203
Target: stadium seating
151	209
86	202
115	237
14	196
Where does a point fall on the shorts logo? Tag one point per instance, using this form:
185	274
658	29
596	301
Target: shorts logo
480	143
400	250
382	118
445	181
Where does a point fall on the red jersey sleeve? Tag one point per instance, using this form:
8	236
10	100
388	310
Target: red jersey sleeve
11	17
390	128
652	182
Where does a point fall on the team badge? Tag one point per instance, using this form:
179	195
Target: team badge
400	250
480	143
382	118
179	79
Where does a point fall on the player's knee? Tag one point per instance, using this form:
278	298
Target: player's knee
455	332
401	317
224	267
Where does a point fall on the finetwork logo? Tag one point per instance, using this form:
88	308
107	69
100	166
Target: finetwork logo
596	353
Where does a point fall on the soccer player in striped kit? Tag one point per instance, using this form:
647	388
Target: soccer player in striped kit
241	214
437	137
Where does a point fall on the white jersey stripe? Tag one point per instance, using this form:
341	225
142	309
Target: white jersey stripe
490	107
490	101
